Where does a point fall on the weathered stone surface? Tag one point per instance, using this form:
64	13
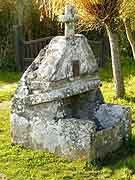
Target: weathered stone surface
115	113
54	68
116	123
69	19
68	137
58	105
20	129
108	140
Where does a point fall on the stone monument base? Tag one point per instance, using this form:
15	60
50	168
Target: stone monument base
76	138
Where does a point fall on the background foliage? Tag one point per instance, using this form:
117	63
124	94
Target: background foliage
7	14
31	23
39	26
128	11
34	28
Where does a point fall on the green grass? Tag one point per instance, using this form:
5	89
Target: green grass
18	163
8	84
9	77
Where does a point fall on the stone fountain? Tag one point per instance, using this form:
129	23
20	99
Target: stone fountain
58	105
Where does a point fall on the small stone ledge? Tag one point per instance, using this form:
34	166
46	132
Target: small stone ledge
38	85
73	89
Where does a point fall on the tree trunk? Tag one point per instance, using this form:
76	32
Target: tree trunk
30	7
20	9
116	65
130	36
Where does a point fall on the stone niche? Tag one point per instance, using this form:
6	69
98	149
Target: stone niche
58	105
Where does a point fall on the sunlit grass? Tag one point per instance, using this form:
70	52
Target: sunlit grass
7	92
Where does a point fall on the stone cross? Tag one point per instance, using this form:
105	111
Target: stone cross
69	19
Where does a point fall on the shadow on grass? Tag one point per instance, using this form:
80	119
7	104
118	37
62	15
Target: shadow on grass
129	99
124	157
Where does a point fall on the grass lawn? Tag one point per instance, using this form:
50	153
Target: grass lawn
18	163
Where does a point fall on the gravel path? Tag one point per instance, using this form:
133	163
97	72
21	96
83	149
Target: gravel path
2	177
4	105
7	86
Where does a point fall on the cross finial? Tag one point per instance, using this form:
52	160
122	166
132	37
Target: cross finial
69	19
